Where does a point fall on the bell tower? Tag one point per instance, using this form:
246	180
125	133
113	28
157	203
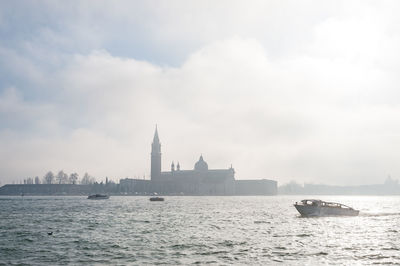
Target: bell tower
155	157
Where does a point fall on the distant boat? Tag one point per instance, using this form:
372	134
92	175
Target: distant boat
314	207
156	199
98	196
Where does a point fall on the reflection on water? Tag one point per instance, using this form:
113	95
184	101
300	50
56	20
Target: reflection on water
186	230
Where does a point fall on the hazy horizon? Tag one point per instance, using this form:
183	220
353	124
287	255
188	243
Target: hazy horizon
284	90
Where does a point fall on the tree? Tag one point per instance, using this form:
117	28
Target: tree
37	180
48	178
62	178
73	178
87	179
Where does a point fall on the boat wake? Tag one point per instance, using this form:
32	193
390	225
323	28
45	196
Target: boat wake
379	214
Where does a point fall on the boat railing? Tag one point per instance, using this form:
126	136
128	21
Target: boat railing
311	202
337	205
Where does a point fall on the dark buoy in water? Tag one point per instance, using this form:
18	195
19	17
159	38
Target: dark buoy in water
50	233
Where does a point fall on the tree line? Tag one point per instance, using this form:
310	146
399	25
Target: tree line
61	178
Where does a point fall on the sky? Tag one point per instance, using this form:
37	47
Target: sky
286	90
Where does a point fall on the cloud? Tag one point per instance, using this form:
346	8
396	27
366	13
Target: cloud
311	98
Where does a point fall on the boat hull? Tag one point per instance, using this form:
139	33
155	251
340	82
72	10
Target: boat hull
98	197
156	199
307	210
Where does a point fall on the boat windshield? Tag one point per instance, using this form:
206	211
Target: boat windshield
311	202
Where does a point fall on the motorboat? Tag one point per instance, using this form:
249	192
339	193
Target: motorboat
156	199
98	196
315	207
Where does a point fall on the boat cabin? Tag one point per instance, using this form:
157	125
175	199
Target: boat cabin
320	203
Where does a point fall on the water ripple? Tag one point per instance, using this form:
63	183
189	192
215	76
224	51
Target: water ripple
194	230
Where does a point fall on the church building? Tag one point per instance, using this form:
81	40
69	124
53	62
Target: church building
199	181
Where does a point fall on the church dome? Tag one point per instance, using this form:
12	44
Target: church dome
201	165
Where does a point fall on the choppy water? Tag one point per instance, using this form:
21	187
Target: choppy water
195	230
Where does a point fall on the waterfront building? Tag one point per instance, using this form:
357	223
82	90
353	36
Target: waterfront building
201	180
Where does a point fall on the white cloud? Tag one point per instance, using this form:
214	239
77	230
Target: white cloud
281	91
228	101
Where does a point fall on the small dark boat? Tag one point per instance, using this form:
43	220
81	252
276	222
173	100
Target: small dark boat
313	207
156	199
98	196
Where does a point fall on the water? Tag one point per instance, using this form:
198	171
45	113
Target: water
195	230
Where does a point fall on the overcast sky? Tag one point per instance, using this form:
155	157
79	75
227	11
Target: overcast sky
285	90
